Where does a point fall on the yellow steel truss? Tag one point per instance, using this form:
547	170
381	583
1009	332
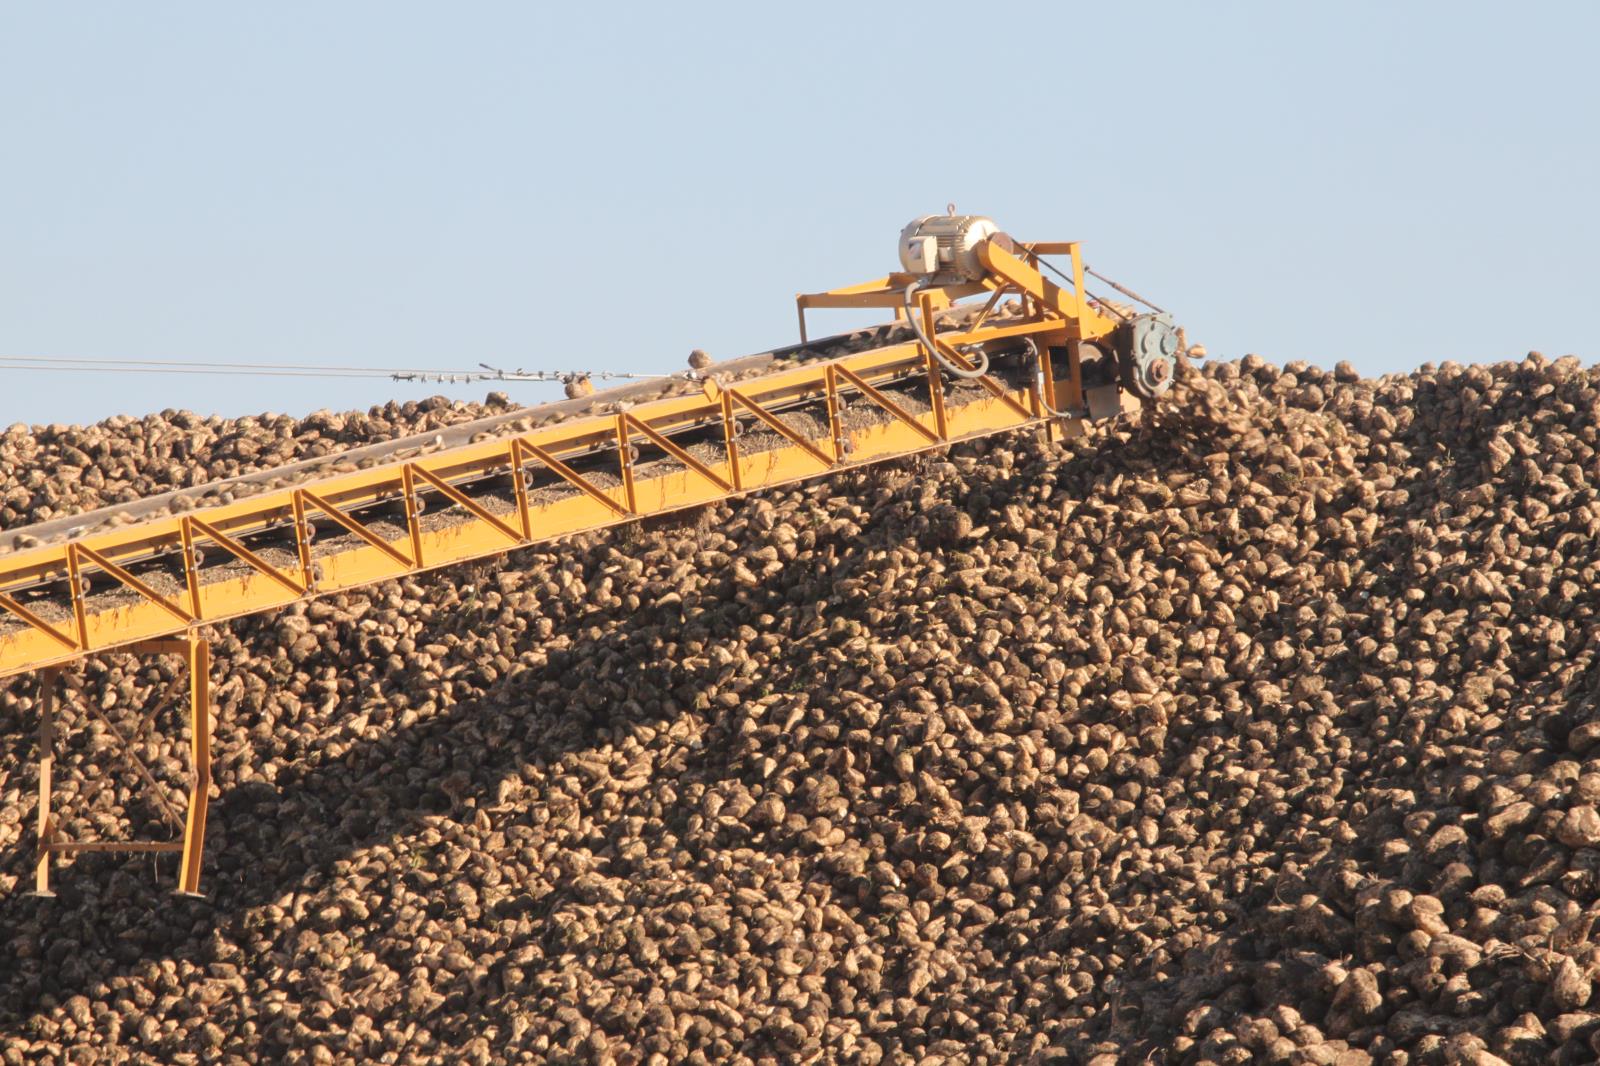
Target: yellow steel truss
152	585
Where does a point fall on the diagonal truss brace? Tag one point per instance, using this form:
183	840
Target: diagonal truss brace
680	454
471	505
886	403
9	604
571	476
129	580
356	527
779	427
244	554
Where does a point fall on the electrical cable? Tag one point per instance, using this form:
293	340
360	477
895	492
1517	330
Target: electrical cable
915	319
84	362
1124	290
1038	358
179	370
71	364
1101	300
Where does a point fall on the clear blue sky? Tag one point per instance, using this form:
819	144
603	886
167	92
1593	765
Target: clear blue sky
607	186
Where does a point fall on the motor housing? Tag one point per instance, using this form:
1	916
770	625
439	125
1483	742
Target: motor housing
944	248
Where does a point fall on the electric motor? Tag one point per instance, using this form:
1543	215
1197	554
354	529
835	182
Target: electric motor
945	246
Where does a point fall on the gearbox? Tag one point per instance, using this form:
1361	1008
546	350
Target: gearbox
1148	353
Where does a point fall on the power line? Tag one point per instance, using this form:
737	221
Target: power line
179	370
83	363
71	364
492	373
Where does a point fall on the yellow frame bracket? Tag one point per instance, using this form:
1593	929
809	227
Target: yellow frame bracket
129	580
887	404
197	655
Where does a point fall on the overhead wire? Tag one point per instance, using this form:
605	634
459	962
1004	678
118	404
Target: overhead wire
4	365
192	363
76	364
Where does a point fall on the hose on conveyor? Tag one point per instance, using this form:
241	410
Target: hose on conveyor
913	317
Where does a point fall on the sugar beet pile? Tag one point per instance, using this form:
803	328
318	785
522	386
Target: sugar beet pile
1259	730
